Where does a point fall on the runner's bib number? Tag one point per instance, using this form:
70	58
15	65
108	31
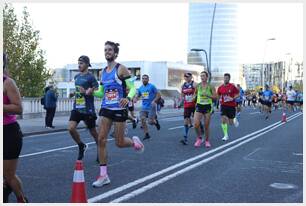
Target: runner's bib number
227	98
189	98
80	102
111	97
145	95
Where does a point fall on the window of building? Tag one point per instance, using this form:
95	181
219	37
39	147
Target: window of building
135	71
62	93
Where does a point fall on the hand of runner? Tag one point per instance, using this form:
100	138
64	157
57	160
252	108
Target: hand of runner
82	90
89	91
123	102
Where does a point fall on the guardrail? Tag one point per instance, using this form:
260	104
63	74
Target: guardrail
32	107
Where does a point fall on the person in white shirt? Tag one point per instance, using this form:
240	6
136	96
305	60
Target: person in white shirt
291	94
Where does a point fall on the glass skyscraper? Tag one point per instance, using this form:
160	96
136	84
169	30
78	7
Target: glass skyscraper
224	49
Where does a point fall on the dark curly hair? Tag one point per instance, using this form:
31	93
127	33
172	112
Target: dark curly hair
114	45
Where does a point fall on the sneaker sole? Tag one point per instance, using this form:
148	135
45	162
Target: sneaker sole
105	183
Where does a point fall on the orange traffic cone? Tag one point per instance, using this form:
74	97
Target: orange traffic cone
78	186
284	117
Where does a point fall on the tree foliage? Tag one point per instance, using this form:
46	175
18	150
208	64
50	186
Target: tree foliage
27	64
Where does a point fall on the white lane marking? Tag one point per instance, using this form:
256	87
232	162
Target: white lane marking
50	133
57	149
297	154
172	128
254	112
190	167
151	176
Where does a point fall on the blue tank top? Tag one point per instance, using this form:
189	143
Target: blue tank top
114	89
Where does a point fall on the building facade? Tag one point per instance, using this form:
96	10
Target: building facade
166	76
224	49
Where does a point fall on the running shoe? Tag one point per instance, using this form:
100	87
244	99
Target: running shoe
101	180
157	125
82	149
7	190
207	144
147	136
236	123
198	142
138	146
225	138
184	141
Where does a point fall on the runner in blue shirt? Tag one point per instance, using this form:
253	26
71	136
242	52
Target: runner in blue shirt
267	100
149	95
239	101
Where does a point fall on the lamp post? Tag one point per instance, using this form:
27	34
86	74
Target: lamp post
208	67
263	62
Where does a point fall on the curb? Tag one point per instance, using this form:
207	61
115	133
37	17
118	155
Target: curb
65	129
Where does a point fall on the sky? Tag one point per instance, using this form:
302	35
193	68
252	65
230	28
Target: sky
157	31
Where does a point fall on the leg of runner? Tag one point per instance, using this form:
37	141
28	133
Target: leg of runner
197	121
143	117
76	137
207	132
95	135
224	125
153	117
9	173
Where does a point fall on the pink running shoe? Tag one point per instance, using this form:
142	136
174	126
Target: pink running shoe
138	146
207	144
198	142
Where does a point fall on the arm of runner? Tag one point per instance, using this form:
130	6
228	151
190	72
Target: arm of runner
158	95
132	89
100	92
15	106
214	94
94	86
123	74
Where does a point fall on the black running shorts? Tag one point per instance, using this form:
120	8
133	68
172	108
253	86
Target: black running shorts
188	112
114	115
12	141
204	109
89	119
228	111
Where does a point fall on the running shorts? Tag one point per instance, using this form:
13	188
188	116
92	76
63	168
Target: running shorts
228	111
188	112
204	109
12	141
89	119
114	115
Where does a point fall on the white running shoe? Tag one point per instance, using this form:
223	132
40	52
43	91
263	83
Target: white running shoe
138	146
225	138
101	180
236	123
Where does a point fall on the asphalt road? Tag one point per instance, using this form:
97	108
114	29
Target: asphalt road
262	162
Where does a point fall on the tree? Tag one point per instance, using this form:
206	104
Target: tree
27	64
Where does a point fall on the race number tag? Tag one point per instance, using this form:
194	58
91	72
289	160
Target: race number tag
111	96
145	95
189	98
227	98
80	102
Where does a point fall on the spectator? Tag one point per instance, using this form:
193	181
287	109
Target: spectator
50	106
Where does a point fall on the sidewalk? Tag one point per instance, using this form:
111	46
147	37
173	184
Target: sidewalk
37	125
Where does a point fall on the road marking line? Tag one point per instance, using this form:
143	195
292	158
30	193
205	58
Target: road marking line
153	175
172	128
57	149
190	167
255	112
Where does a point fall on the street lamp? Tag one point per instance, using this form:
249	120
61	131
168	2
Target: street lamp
207	65
262	71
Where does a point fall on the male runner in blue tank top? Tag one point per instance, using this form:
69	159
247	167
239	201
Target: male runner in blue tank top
114	81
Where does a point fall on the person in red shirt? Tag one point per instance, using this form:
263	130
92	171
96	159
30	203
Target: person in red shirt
187	92
228	92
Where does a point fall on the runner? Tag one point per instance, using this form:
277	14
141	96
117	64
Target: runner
187	93
112	90
260	106
12	137
228	92
83	106
131	108
149	96
290	98
275	101
204	93
300	100
267	101
254	100
284	100
239	100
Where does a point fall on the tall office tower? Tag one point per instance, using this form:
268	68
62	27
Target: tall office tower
224	46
